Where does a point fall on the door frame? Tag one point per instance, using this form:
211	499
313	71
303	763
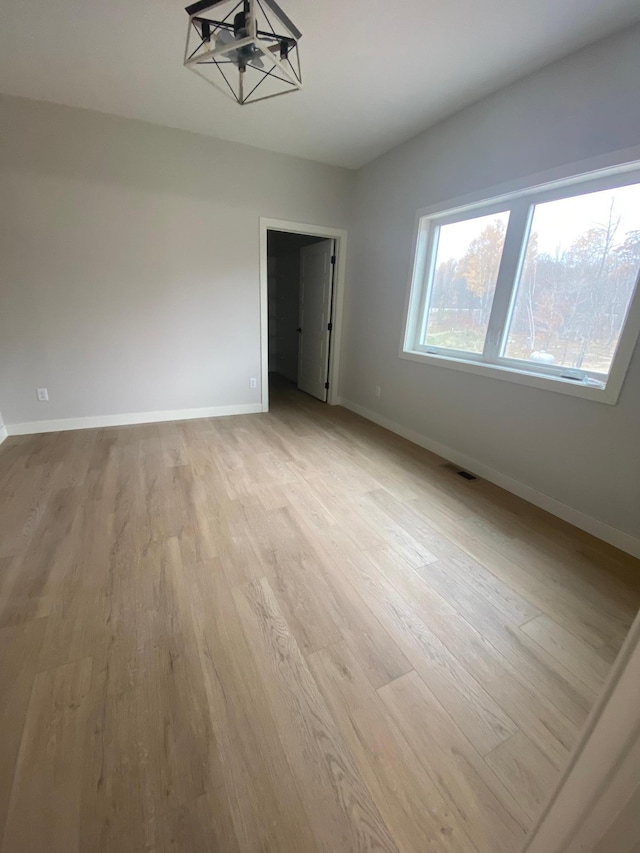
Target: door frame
339	281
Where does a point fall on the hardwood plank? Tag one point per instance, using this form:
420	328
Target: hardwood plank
75	625
340	809
27	492
377	653
303	596
481	591
301	499
533	667
607	596
203	826
264	801
151	745
385	468
491	819
542	588
420	816
10	571
541	720
45	800
581	556
522	767
228	524
477	714
576	655
394	534
346	514
44	556
19	649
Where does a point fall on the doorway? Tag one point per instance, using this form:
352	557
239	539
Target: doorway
301	277
300	285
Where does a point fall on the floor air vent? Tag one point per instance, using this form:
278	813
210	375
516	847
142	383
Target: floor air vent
467	475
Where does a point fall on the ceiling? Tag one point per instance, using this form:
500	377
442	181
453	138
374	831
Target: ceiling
376	73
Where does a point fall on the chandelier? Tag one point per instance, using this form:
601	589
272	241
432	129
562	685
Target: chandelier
248	50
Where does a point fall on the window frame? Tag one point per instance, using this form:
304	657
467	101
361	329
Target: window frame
520	204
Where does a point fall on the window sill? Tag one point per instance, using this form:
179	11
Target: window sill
608	395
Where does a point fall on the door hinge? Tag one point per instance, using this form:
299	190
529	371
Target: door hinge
333	259
326	384
330	327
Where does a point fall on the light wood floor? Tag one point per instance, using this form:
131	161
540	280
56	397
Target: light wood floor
289	632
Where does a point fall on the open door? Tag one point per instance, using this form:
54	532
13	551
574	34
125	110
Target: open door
316	291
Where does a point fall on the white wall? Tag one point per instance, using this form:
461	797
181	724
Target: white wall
581	453
129	275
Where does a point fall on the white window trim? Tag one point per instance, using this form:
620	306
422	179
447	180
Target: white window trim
587	177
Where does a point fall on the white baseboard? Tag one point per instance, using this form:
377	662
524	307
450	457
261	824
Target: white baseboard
4	433
63	424
618	538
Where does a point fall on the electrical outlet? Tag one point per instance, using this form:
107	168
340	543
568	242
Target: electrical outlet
378	391
42	394
253	382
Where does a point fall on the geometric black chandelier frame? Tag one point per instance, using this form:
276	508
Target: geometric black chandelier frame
248	49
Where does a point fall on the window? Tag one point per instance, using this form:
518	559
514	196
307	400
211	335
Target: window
539	286
467	260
